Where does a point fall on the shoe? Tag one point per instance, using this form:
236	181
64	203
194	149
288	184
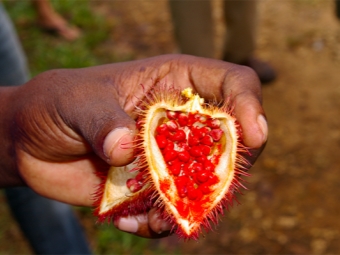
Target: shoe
264	71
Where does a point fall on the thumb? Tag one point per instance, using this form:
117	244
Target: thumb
118	146
106	128
114	139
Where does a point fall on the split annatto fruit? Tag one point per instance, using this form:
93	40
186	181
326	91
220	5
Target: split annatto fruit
189	164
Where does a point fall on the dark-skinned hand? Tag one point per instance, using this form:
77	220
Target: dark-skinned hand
62	126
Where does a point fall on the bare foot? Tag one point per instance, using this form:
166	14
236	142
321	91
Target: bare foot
52	22
56	24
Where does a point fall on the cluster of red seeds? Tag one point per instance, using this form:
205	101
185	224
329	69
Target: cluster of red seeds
135	184
188	142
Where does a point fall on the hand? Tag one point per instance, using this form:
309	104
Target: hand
64	124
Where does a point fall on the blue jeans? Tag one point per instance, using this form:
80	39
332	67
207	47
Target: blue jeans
51	227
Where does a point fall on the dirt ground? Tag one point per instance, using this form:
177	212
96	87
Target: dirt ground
292	205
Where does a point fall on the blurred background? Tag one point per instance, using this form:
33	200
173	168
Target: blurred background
292	202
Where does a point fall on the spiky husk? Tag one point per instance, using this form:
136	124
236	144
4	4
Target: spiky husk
159	189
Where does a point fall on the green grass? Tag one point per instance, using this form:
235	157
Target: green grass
44	52
111	240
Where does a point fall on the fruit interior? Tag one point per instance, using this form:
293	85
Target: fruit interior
191	153
187	165
121	189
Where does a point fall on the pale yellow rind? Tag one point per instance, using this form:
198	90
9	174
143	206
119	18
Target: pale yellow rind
116	191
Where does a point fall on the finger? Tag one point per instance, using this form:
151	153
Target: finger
145	225
244	87
220	80
72	182
157	224
118	146
252	120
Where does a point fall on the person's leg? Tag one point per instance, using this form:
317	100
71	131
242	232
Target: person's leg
241	19
13	67
240	43
50	226
51	21
193	25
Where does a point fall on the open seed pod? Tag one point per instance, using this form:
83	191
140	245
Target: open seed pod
188	164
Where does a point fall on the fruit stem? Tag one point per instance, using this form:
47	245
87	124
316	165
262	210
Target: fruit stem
195	102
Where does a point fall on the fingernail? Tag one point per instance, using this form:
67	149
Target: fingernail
165	226
119	138
262	122
129	224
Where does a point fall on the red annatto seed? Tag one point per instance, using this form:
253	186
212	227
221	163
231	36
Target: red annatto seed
182	191
170	155
197	116
201	159
194	194
191	184
213	179
216	134
200	132
205	188
140	177
193	178
131	182
179	136
196	151
197	167
196	132
193	140
191	119
182	146
133	185
182	180
184	156
205	130
207	140
182	119
171	115
161	141
214	123
175	168
169	147
203	176
209	166
172	125
188	169
162	129
205	149
202	118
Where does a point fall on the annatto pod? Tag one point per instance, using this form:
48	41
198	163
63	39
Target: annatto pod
188	164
